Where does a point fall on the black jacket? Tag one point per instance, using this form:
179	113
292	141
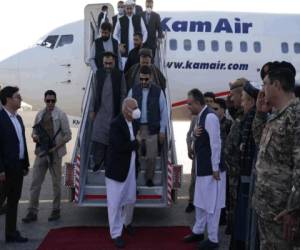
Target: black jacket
119	150
153	28
9	143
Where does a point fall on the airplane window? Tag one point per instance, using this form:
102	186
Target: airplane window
50	41
243	46
284	47
64	40
297	48
257	47
173	44
201	45
187	44
214	45
228	46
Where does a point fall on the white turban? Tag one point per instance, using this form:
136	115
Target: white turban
129	2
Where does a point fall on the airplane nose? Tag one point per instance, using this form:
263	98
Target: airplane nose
9	71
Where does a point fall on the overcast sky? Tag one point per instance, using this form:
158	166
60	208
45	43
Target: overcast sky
22	22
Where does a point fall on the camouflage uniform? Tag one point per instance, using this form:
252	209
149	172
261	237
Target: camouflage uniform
278	171
232	161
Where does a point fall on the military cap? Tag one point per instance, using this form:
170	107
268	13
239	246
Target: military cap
238	83
252	89
145	52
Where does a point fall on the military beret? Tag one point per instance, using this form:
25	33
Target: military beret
145	52
252	89
238	83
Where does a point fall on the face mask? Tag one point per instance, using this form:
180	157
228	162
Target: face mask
121	11
136	114
148	10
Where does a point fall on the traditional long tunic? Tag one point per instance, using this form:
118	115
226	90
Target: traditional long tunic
209	195
121	196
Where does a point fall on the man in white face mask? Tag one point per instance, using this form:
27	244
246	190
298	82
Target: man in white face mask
121	171
115	18
152	22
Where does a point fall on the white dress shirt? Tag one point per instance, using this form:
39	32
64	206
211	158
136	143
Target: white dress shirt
18	129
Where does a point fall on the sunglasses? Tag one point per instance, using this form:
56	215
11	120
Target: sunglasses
108	63
50	101
144	79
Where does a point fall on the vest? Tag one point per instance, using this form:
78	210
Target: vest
203	150
153	108
100	49
124	23
116	79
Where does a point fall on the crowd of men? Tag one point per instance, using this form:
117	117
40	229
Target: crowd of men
245	150
255	145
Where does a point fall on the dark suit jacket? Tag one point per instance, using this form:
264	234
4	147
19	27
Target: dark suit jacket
120	149
133	58
153	28
114	22
138	10
100	17
9	143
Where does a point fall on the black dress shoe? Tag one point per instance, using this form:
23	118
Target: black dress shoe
119	242
207	245
190	208
15	238
30	217
193	237
129	229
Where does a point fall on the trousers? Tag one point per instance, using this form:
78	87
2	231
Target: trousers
211	220
40	167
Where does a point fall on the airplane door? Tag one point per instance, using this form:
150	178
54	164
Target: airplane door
91	29
63	59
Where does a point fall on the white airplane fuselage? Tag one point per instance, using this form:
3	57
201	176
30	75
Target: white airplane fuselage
205	50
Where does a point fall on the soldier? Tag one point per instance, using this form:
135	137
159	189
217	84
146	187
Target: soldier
219	106
276	196
232	149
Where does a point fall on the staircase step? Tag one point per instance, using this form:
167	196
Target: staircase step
98	178
153	196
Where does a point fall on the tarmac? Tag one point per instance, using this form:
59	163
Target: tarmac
72	215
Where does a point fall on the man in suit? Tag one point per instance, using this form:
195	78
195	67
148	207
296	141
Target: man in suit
102	44
137	10
127	25
102	17
3	206
134	56
152	22
121	171
115	18
210	186
14	161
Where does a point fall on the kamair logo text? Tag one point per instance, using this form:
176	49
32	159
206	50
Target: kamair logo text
222	25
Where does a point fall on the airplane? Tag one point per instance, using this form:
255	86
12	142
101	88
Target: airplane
204	50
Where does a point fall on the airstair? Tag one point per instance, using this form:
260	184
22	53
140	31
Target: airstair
90	189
